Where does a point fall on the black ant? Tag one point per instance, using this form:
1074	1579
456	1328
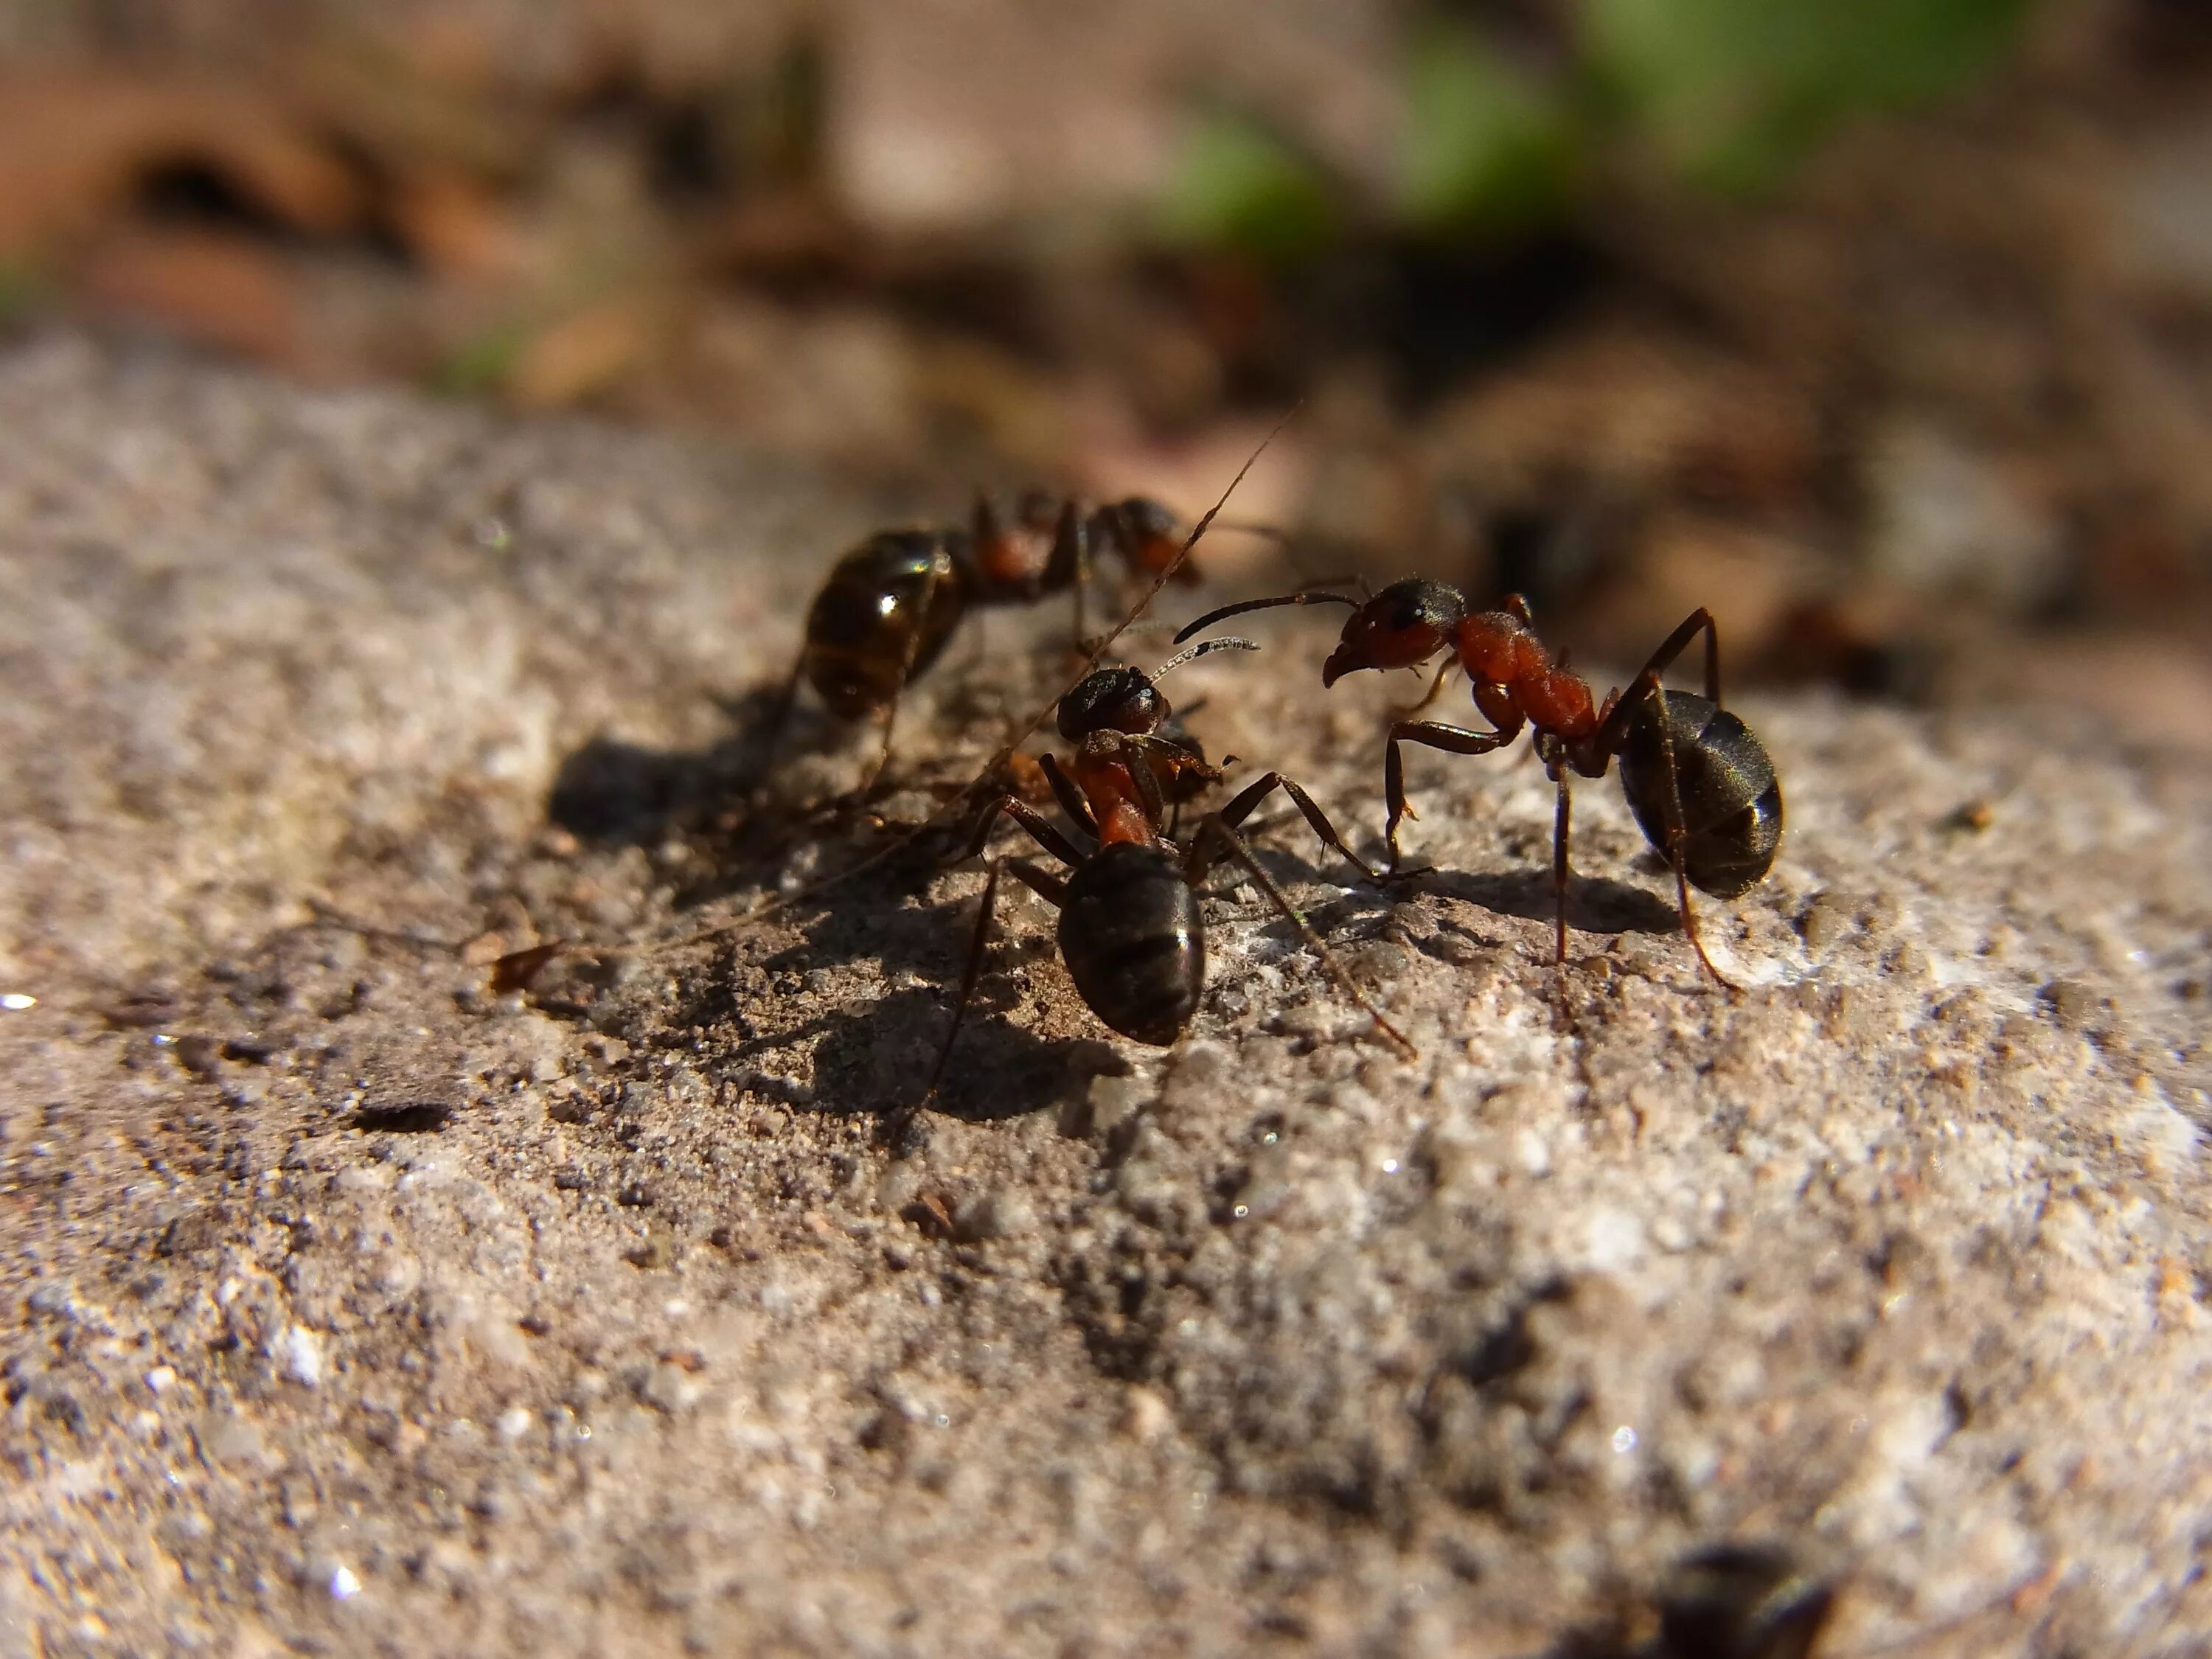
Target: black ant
1697	779
890	605
1131	932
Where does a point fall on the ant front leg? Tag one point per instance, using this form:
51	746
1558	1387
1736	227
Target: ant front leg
1433	734
1435	691
1070	797
1561	818
1217	839
1249	798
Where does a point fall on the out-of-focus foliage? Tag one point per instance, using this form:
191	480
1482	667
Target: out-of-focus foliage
1243	185
1733	92
1487	149
1729	94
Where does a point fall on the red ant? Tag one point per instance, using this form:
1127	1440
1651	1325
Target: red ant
1131	932
889	606
1697	779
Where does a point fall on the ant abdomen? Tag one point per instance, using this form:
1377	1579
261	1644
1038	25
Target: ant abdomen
1134	941
1731	801
884	615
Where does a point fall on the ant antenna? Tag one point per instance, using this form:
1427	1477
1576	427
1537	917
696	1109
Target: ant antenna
1227	642
1306	596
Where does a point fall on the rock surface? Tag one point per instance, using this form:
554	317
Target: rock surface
349	1307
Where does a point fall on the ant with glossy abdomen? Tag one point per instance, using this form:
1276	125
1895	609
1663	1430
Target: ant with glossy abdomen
888	608
1697	779
1131	933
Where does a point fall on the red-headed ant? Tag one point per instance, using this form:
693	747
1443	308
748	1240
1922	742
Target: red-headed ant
1131	932
889	606
1699	782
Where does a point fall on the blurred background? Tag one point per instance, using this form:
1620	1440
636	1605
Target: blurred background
1884	327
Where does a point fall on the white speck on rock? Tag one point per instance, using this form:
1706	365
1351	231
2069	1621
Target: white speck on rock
1534	1155
1612	1239
303	1356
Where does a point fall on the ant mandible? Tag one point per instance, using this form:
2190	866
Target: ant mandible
1131	933
1697	779
888	607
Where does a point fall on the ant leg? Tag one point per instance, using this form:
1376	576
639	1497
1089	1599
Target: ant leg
1042	831
777	721
1433	734
1560	820
1069	797
1071	563
1516	606
1613	733
928	598
875	772
1214	832
1048	886
1675	836
1134	752
1436	689
1249	798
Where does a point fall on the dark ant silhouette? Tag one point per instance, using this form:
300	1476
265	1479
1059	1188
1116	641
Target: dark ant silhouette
1697	779
888	608
1131	932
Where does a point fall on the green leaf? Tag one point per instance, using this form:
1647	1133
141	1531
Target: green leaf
1734	92
1239	185
1486	149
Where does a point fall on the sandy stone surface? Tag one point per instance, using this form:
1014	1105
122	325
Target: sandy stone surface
348	1307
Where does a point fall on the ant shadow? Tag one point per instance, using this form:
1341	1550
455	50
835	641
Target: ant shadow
873	1050
870	1051
610	793
1595	904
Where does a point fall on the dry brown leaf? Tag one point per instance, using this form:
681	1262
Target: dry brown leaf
73	146
457	227
587	351
220	289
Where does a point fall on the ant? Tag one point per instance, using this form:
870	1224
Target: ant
889	606
1697	779
1131	933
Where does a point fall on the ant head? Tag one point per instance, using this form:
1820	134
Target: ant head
1112	699
1402	627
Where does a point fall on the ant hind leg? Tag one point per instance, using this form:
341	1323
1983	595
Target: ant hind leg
1675	836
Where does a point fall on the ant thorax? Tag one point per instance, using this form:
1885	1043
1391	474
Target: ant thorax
1100	770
